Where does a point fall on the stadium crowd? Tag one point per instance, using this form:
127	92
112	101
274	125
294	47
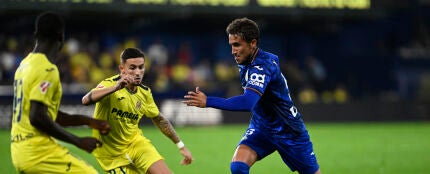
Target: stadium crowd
340	62
83	65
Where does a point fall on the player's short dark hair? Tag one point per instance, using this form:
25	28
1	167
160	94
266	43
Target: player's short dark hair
130	53
50	26
244	27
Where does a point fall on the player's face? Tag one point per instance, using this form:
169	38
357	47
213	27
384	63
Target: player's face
134	68
241	49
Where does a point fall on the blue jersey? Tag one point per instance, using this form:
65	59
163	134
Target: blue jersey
275	111
276	125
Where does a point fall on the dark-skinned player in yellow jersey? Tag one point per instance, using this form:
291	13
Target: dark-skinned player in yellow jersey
37	119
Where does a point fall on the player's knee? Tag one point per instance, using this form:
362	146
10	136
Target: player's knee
238	167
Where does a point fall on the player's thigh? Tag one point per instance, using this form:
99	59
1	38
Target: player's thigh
159	167
144	155
61	161
297	152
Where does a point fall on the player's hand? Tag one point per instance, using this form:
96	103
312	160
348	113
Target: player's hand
195	98
188	158
88	144
123	81
101	125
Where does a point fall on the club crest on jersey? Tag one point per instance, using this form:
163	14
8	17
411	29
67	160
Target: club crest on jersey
139	104
44	86
257	79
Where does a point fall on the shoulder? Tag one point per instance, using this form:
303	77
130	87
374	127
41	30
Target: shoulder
144	87
265	60
38	63
267	57
114	78
144	91
39	60
110	81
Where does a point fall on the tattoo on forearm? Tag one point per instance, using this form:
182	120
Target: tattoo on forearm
164	125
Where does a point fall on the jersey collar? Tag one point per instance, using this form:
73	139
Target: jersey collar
254	55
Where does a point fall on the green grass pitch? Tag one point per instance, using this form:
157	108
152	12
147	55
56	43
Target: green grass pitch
353	148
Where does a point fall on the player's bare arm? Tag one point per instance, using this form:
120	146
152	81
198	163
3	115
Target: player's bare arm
96	95
65	119
166	127
195	98
40	120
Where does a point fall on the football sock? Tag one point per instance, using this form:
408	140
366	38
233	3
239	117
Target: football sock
238	167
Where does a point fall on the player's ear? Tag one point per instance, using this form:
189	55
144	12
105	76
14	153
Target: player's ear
121	68
254	43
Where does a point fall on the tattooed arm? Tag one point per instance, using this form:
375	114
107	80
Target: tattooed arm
164	125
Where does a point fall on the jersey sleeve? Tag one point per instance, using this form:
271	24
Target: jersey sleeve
258	77
151	107
45	86
104	84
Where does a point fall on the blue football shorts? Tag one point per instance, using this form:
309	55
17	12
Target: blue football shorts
295	149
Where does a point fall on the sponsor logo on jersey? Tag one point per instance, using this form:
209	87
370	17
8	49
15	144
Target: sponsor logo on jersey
124	114
100	86
44	86
120	98
257	80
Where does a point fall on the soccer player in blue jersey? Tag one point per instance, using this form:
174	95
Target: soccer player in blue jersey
276	124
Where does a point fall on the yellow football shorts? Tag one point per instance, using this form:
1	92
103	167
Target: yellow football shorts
59	160
138	158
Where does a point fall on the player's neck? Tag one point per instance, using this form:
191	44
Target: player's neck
50	50
131	89
252	56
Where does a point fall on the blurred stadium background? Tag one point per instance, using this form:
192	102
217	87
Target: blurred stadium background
365	59
346	62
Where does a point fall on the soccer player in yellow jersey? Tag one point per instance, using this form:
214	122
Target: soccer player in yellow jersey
36	118
122	100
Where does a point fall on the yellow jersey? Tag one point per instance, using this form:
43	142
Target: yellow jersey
123	111
35	79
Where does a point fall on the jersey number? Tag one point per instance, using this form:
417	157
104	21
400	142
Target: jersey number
17	100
